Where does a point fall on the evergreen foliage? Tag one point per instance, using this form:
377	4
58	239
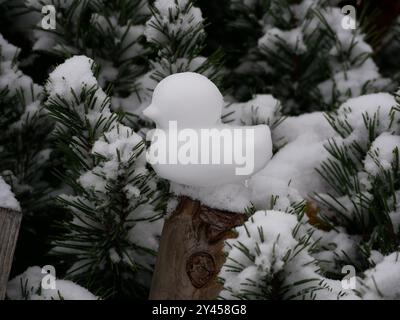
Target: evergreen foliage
72	142
363	171
24	128
113	192
304	57
271	260
110	32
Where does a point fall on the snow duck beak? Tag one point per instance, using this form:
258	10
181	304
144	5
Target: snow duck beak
151	112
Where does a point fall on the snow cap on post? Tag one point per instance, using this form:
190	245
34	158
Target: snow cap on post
191	146
188	98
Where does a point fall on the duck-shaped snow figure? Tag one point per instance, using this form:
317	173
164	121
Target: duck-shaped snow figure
191	145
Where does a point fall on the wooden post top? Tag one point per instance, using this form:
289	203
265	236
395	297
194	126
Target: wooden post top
191	251
10	221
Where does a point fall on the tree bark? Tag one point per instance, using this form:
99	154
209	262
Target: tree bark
191	252
9	227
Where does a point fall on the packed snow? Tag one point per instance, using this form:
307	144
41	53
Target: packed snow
74	74
73	78
229	197
189	98
193	104
382	153
381	282
29	286
294	166
312	124
262	109
372	106
7	198
11	78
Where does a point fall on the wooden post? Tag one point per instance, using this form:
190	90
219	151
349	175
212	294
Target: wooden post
191	252
10	221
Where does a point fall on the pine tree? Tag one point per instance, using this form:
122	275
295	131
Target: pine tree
363	171
175	32
109	32
27	158
304	58
111	238
77	142
135	43
26	155
114	37
24	128
271	259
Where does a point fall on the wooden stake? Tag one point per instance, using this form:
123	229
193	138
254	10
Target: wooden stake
10	221
191	252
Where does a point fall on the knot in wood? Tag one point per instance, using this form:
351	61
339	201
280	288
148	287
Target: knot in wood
200	268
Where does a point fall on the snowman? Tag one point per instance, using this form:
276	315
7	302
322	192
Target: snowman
190	145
